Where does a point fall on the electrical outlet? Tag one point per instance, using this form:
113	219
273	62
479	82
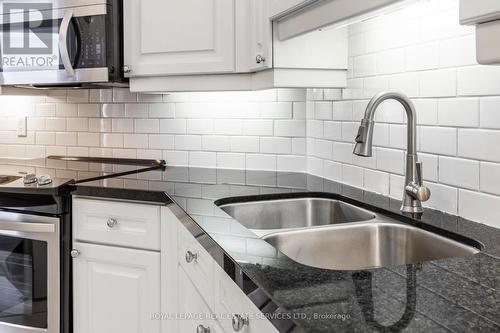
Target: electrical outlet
21	126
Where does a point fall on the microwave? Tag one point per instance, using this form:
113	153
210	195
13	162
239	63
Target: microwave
61	43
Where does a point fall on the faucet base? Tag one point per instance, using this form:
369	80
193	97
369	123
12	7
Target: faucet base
411	205
412	210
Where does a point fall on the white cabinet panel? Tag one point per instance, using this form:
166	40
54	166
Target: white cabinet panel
171	37
231	301
200	268
117	223
193	307
115	290
479	11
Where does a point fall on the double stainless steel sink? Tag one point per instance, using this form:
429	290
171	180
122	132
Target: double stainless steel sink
333	234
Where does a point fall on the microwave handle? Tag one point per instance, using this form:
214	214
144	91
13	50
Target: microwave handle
63	45
27	227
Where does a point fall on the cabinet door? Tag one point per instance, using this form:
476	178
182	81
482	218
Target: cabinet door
115	290
172	37
193	310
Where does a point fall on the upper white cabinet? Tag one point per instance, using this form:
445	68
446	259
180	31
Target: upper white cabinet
179	37
225	45
485	14
294	17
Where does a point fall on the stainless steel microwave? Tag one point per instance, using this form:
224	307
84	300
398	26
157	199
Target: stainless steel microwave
61	43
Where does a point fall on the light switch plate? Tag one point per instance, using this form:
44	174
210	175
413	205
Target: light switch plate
21	126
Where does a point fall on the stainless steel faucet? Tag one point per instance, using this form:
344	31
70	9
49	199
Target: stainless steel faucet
414	191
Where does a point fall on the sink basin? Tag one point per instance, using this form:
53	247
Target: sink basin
295	213
365	245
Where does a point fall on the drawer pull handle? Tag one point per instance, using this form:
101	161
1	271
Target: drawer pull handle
202	329
74	253
190	257
239	322
111	222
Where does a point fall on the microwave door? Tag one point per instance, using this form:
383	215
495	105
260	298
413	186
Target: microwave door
48	50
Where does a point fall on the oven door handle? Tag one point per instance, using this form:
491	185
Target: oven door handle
27	227
63	44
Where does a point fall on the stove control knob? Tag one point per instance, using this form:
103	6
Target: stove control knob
44	180
30	178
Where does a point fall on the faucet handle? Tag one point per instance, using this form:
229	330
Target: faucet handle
419	174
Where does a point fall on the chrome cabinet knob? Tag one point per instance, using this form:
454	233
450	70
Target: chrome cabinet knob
190	256
126	69
260	59
74	253
239	322
111	222
202	329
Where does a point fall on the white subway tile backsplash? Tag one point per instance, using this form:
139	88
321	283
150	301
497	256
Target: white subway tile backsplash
323	110
443	198
258	127
478	80
479	207
261	162
390	160
275	145
438	83
245	144
290	128
166	110
203	159
231	160
188	142
291	163
490	112
458	112
479	144
421	51
459	172
216	143
122	125
173	126
161	141
438	140
147	126
376	181
352	175
422	56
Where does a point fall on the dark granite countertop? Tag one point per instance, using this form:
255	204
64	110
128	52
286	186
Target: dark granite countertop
457	294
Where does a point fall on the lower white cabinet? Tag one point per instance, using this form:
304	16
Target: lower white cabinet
116	290
194	313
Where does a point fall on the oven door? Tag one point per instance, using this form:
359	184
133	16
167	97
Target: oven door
45	46
29	274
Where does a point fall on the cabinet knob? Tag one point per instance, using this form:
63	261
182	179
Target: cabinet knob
239	322
260	59
126	69
74	253
111	222
190	256
202	329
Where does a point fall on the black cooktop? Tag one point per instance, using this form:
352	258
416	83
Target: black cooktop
44	197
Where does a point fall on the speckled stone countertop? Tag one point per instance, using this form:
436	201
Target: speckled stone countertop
456	294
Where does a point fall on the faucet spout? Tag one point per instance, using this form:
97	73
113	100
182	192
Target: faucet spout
414	192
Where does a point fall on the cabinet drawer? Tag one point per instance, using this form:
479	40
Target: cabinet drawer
231	301
200	267
191	303
117	223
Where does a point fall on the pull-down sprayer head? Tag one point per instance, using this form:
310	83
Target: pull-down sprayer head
364	138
